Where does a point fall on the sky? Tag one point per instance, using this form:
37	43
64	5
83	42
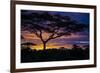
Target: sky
80	38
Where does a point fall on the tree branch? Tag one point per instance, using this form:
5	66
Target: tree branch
35	32
53	34
57	36
41	37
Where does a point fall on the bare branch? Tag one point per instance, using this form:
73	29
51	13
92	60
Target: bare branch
41	37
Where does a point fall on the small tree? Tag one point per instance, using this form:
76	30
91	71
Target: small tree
56	25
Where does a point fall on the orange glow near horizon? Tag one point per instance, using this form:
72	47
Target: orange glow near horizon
49	46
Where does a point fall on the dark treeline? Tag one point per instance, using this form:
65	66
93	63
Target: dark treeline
76	53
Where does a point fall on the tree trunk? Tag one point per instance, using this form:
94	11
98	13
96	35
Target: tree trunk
44	45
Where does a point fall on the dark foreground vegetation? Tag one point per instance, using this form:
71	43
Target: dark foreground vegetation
28	55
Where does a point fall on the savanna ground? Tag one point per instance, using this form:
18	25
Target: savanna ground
28	55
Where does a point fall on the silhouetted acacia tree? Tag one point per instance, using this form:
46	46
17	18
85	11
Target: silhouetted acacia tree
56	25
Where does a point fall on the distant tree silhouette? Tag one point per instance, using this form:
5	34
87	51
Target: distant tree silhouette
86	46
56	25
62	48
27	44
76	48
